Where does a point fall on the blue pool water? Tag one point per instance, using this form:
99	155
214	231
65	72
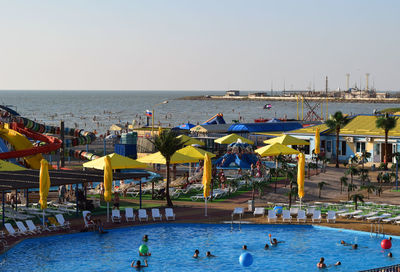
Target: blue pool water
172	247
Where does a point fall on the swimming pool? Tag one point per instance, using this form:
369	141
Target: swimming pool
172	247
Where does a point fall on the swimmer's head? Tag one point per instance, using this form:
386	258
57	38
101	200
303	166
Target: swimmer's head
338	263
390	255
355	246
138	263
208	253
266	246
321	259
342	242
244	247
196	251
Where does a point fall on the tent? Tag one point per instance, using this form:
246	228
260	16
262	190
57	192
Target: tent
275	150
232	138
160	159
286	140
117	162
195	152
189	140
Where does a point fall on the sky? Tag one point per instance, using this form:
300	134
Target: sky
198	45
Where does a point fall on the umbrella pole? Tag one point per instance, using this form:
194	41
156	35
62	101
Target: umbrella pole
43	217
140	194
108	204
300	203
205	202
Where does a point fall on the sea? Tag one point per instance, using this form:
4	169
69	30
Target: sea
98	110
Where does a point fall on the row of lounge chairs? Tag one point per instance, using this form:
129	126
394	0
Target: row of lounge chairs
301	215
56	223
130	216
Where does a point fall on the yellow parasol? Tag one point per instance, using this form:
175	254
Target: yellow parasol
160	159
232	138
300	175
117	162
206	179
317	142
8	166
195	152
108	177
189	140
44	181
286	140
275	150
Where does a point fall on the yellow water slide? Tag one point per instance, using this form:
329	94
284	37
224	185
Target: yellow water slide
20	142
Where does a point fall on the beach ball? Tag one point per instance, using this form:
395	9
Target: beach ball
386	244
245	259
278	209
143	249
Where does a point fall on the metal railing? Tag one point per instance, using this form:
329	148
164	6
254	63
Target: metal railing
391	268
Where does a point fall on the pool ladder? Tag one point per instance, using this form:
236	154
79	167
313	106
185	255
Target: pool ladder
240	222
377	228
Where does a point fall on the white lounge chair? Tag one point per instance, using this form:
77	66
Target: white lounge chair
142	215
378	217
11	231
316	217
286	216
271	216
32	227
301	216
169	214
155	213
310	211
363	216
88	225
350	214
331	216
294	211
22	228
238	211
116	216
64	224
129	215
259	211
391	220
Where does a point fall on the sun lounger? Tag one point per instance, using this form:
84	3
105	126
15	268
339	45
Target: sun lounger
142	215
11	231
64	224
22	228
116	216
331	217
310	211
32	227
294	211
238	211
391	220
378	217
316	217
271	216
286	216
53	223
155	213
129	215
301	216
87	224
363	216
350	214
169	214
259	211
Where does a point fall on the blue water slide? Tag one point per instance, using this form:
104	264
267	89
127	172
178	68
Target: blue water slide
4	148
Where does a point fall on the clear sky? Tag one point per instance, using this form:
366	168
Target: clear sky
198	45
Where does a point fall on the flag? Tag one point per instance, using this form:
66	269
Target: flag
149	113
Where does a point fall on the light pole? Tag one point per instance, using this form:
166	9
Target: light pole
152	116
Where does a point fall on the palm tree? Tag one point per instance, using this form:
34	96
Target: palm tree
356	198
153	181
386	123
167	144
336	122
350	188
320	186
364	157
369	187
343	182
352	170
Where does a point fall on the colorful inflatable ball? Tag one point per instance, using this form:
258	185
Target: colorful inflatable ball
246	259
143	249
386	244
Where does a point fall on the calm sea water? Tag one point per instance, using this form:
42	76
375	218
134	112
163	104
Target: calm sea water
100	109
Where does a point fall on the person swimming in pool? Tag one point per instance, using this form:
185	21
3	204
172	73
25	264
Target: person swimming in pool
344	243
355	246
208	254
139	264
266	246
196	254
321	263
145	238
274	242
244	247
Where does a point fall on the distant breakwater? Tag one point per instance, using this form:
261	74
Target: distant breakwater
293	99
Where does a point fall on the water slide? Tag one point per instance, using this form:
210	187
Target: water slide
216	119
243	161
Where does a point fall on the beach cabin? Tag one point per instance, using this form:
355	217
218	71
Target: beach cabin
359	135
